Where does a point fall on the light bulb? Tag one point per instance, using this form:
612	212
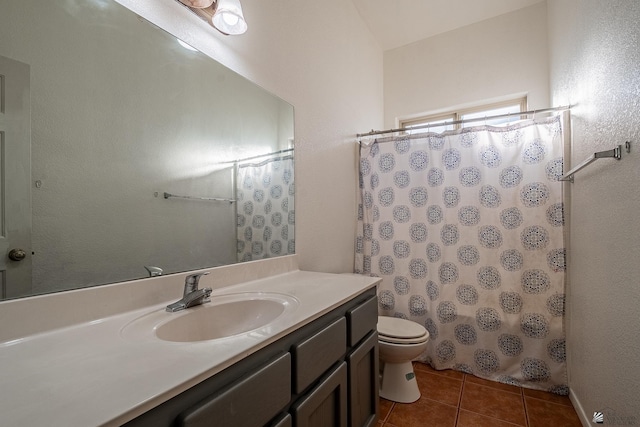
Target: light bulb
230	19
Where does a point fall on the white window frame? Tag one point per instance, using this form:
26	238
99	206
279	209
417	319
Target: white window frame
440	119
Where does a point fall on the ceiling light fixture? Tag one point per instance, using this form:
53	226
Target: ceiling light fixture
228	18
225	15
200	4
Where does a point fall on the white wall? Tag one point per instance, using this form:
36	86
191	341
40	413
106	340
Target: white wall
595	65
492	59
321	58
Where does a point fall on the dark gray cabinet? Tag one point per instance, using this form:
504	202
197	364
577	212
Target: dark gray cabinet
325	374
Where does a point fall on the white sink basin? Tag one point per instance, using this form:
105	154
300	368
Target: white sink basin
225	316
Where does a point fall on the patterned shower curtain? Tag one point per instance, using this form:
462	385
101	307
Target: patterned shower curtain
266	215
466	230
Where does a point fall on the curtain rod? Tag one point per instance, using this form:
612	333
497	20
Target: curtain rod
273	153
457	122
265	161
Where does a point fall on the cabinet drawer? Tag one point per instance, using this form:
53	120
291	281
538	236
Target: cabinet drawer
313	356
362	320
251	401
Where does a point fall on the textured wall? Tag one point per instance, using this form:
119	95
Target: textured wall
595	65
498	57
320	57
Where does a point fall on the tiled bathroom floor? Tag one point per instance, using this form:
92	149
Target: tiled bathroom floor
454	399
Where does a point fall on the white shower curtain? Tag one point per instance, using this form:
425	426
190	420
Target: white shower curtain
266	215
466	230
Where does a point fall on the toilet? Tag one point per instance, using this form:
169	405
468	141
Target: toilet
400	341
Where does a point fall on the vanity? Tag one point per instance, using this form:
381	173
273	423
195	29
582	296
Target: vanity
311	361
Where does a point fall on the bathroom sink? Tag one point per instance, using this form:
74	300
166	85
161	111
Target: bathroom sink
225	316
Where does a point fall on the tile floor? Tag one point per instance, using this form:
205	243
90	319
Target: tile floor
454	399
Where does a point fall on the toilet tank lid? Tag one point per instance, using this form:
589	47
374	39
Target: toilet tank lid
399	328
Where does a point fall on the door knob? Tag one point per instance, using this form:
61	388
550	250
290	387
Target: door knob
17	254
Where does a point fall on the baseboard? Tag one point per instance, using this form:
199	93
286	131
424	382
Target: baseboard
584	419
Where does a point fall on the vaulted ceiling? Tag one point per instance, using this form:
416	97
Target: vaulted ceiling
395	23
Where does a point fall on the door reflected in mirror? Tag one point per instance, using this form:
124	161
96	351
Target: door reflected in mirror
121	114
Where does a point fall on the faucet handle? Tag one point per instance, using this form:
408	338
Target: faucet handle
191	282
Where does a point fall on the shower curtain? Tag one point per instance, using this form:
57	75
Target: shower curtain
465	228
265	209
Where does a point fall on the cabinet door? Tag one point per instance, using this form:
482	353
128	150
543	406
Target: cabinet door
363	383
326	404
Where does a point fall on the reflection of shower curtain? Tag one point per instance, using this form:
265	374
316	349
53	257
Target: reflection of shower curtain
266	214
466	230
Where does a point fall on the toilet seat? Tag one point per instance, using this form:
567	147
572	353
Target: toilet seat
402	341
394	330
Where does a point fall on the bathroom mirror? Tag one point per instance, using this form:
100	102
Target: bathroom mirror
143	153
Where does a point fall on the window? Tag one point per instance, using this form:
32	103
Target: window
446	121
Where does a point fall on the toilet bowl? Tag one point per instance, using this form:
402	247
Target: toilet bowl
399	342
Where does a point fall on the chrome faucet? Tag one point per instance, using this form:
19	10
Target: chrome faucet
192	295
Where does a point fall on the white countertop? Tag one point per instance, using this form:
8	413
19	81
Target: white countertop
90	375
